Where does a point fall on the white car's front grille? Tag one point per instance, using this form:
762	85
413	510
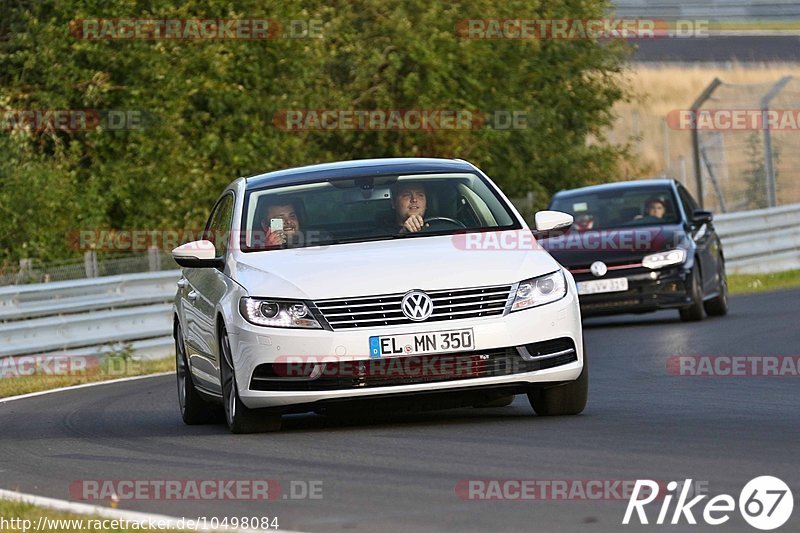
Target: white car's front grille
385	310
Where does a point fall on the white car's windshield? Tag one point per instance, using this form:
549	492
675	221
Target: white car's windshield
619	209
364	209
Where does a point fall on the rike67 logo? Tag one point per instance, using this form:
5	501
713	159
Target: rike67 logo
765	503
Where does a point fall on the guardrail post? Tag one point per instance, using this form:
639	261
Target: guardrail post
90	264
154	258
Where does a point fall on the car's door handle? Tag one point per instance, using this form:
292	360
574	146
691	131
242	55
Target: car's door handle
182	283
192	295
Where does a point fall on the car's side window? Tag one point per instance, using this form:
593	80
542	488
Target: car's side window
219	225
689	205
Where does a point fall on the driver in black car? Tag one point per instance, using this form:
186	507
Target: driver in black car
409	204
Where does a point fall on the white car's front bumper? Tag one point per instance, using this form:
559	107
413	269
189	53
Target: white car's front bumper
253	345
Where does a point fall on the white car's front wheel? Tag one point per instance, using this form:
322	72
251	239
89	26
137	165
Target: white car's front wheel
194	410
239	417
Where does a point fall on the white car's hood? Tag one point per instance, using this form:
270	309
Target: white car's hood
383	267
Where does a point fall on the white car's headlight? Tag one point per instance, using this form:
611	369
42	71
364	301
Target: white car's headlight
662	259
539	291
277	313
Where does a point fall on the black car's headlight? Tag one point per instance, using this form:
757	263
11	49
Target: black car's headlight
662	259
539	291
277	313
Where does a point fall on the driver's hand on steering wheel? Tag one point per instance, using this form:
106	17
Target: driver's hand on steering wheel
413	224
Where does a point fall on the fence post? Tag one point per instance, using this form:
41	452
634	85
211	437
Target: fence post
772	190
665	129
714	181
90	264
25	270
698	174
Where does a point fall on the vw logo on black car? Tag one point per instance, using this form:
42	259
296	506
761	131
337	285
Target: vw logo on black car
599	269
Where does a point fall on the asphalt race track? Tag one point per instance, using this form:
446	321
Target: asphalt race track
719	49
400	472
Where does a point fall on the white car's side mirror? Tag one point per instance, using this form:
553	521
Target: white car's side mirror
552	220
197	254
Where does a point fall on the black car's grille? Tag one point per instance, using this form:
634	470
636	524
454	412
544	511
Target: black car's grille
411	370
385	310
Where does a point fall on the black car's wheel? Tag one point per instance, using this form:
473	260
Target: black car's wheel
567	399
718	306
239	417
694	311
194	410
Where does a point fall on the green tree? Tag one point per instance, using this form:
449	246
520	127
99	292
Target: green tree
210	105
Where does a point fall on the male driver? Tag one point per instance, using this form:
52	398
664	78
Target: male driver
654	210
655	207
409	203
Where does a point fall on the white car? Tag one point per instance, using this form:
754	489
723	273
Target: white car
347	286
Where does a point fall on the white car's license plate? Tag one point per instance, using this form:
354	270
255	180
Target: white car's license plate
603	285
434	342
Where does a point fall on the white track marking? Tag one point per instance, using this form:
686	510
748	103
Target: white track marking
81	386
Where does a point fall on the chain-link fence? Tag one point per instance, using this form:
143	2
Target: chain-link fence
91	266
746	142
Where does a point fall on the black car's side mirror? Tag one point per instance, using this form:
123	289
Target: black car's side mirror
700	217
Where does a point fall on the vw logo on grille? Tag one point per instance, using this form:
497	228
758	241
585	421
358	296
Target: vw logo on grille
599	269
417	306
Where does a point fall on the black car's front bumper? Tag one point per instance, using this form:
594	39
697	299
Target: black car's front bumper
648	290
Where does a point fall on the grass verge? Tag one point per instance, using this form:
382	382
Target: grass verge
21	375
25	517
750	283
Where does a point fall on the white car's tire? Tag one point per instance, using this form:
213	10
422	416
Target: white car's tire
239	417
194	409
567	399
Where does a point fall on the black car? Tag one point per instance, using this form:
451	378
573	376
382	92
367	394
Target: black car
640	246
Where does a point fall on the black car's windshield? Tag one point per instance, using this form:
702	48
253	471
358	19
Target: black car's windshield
619	208
368	209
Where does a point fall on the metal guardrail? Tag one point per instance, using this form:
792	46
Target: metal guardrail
89	317
734	10
132	311
762	240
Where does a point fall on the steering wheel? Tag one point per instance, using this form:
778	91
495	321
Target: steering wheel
444	220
